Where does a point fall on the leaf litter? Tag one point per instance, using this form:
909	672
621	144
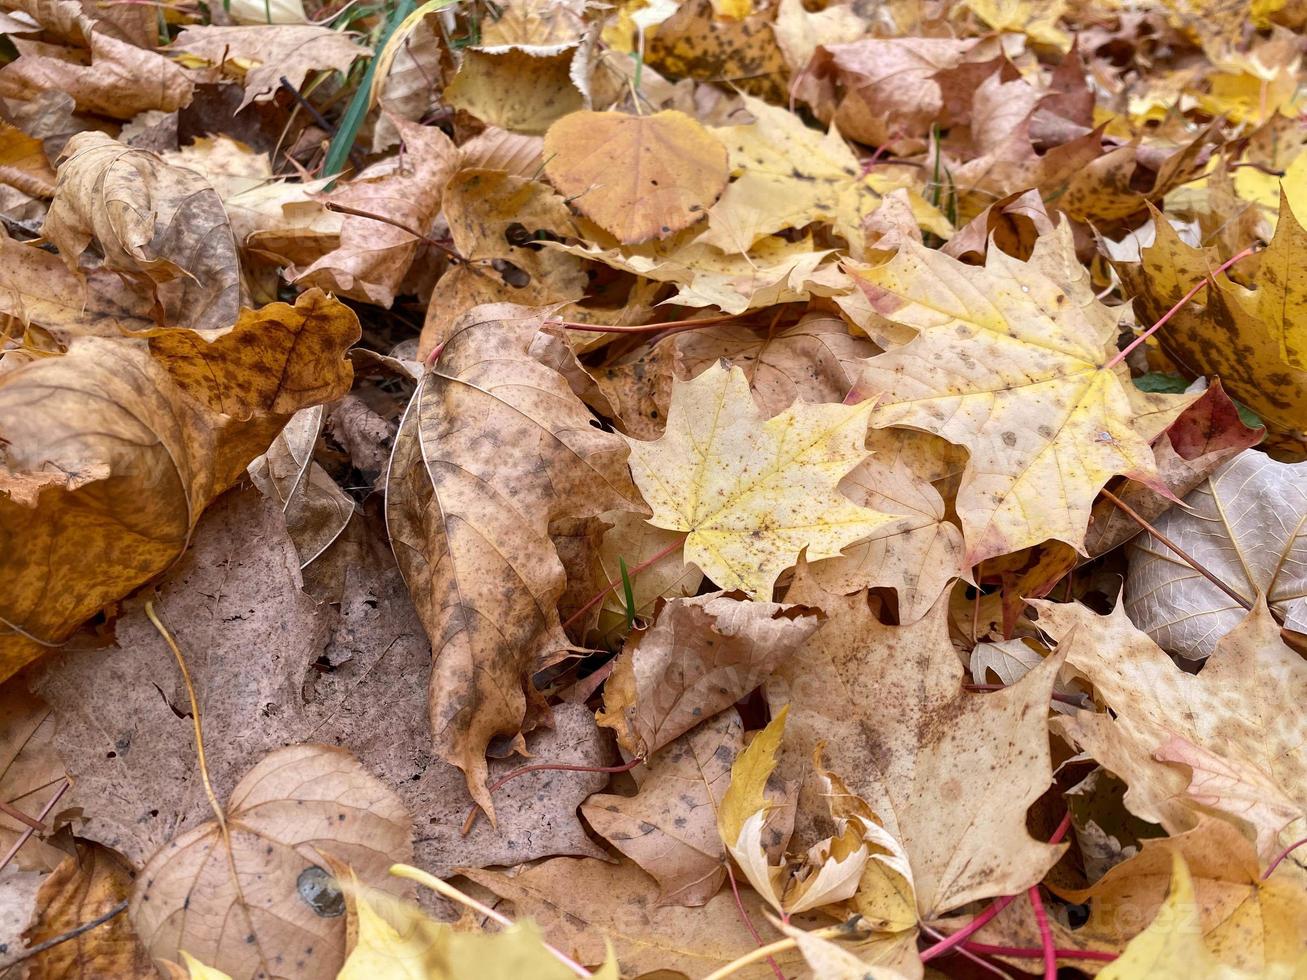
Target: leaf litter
718	488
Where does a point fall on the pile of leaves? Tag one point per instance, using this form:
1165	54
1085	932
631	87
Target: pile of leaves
710	488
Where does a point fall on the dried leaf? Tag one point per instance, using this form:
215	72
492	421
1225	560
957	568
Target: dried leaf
1228	739
1247	525
700	657
637	177
158	225
753	493
470	525
287	816
84	887
30	773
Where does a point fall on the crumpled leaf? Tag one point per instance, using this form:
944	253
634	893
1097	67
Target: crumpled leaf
1267	368
373	256
158	225
752	493
107	466
84	887
637	177
1009	361
950	775
1229	739
1247	525
700	657
267	893
271	52
468	509
580	902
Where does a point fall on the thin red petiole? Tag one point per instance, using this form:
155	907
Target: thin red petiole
1282	855
998	905
1030	953
1211	277
1045	932
630	573
1064	698
542	767
748	923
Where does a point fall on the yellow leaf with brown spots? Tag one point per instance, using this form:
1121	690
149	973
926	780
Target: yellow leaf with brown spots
736	53
1254	338
752	493
637	177
1010	361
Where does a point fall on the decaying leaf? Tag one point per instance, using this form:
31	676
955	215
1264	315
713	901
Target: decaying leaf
252	895
950	774
1228	739
637	177
159	225
750	493
30	772
470	526
1247	525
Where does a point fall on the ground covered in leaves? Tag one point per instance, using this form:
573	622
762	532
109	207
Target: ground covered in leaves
718	488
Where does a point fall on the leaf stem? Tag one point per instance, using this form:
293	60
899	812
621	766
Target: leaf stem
27	834
12	811
27	954
1282	855
771	949
1045	932
1210	277
1187	558
444	888
1057	696
1030	953
454	254
748	924
618	581
706	321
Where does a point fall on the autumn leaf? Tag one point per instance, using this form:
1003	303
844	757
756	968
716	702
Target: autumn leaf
161	226
293	809
30	772
1245	525
996	349
949	774
752	493
470	528
1227	739
700	656
637	177
270	53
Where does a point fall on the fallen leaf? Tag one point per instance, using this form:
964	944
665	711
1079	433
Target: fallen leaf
470	527
520	91
950	775
373	256
633	540
269	53
637	177
287	815
1246	923
700	656
578	901
161	226
1245	525
1267	368
669	828
738	52
30	773
753	493
84	887
1226	739
1036	347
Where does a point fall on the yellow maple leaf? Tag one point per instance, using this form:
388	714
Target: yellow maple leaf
753	493
1038	21
791	176
1172	947
1011	361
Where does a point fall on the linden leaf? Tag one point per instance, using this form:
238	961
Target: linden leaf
1010	361
637	177
753	493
